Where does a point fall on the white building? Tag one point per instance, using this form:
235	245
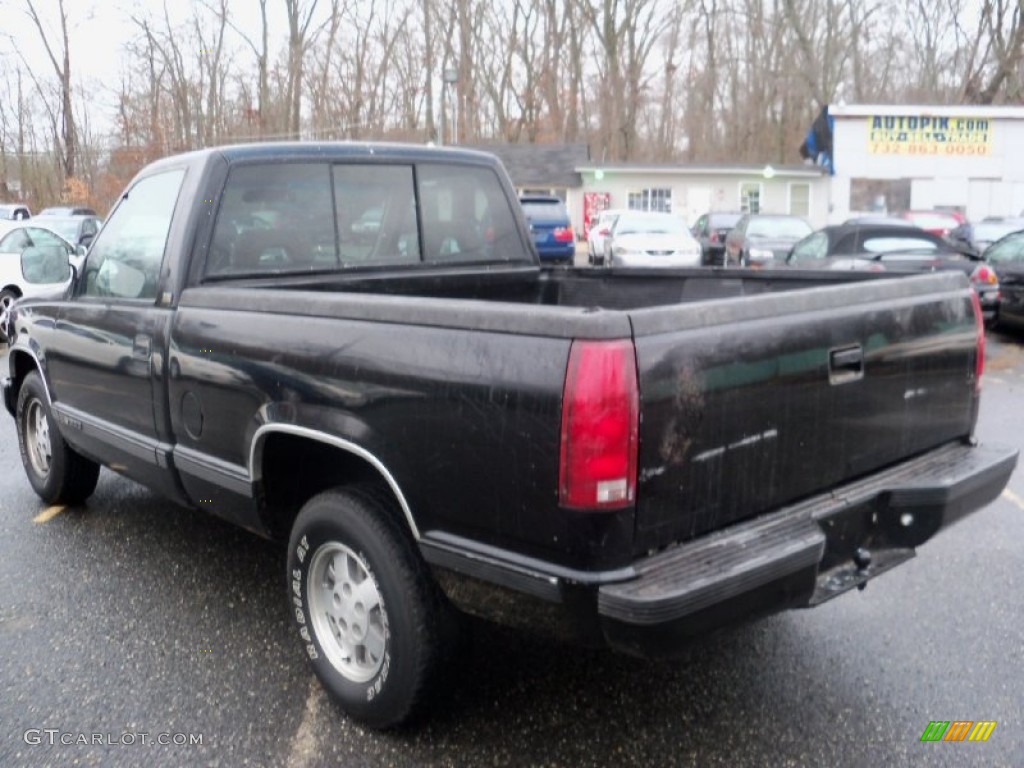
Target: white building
907	157
691	190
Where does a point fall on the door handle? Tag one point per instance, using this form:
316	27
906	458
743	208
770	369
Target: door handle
845	364
142	347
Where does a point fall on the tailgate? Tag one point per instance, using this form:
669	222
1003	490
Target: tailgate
752	403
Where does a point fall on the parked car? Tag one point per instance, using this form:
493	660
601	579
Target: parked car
77	230
599	230
887	248
67	210
711	230
1006	256
648	239
14	212
976	237
939	223
35	272
550	228
759	238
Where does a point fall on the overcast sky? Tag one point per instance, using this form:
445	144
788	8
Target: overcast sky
99	32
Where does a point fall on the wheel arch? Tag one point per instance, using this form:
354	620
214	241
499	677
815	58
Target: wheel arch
290	464
22	363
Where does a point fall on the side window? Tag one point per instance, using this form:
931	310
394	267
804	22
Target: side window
466	216
274	217
375	207
882	244
125	261
813	247
700	226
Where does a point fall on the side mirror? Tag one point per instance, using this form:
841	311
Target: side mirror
82	248
85	241
45	265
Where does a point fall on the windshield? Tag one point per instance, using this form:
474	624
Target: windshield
932	220
542	209
778	227
721	221
66	228
667	225
990	231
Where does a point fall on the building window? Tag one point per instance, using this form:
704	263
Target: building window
650	200
800	198
750	197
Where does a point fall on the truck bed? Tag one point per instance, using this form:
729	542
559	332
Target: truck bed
746	404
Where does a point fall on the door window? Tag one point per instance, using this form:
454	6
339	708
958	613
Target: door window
813	247
125	260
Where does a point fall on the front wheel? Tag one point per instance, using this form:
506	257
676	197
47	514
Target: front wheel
366	607
58	474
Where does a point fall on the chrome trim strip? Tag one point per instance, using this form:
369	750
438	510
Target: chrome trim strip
255	460
130	442
231	477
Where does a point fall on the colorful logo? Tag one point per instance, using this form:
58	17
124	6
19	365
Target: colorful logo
958	730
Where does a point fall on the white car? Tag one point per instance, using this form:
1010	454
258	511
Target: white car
34	263
599	229
639	239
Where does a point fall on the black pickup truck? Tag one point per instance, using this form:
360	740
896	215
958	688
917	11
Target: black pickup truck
354	349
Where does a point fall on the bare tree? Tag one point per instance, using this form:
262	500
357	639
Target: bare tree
300	38
61	50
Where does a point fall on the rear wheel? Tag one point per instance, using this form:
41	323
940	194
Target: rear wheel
57	473
366	606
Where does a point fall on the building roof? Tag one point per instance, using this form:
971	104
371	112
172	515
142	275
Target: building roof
707	169
540	165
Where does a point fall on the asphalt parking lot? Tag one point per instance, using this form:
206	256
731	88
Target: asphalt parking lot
132	622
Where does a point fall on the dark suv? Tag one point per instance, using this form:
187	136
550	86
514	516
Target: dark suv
550	227
711	230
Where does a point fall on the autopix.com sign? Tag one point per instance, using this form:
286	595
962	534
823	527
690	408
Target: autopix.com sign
921	135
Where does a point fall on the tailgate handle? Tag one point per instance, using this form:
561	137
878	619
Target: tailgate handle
845	364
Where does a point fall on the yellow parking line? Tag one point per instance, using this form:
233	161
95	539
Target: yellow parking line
49	513
1008	494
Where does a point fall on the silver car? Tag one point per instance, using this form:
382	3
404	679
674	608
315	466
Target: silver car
639	239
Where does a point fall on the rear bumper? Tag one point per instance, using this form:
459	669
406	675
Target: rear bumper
558	252
797	556
801	555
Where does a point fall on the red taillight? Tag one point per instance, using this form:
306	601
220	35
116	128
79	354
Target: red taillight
600	422
985	275
604	231
713	237
979	324
563	234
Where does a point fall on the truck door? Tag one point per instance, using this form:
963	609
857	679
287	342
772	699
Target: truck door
107	360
